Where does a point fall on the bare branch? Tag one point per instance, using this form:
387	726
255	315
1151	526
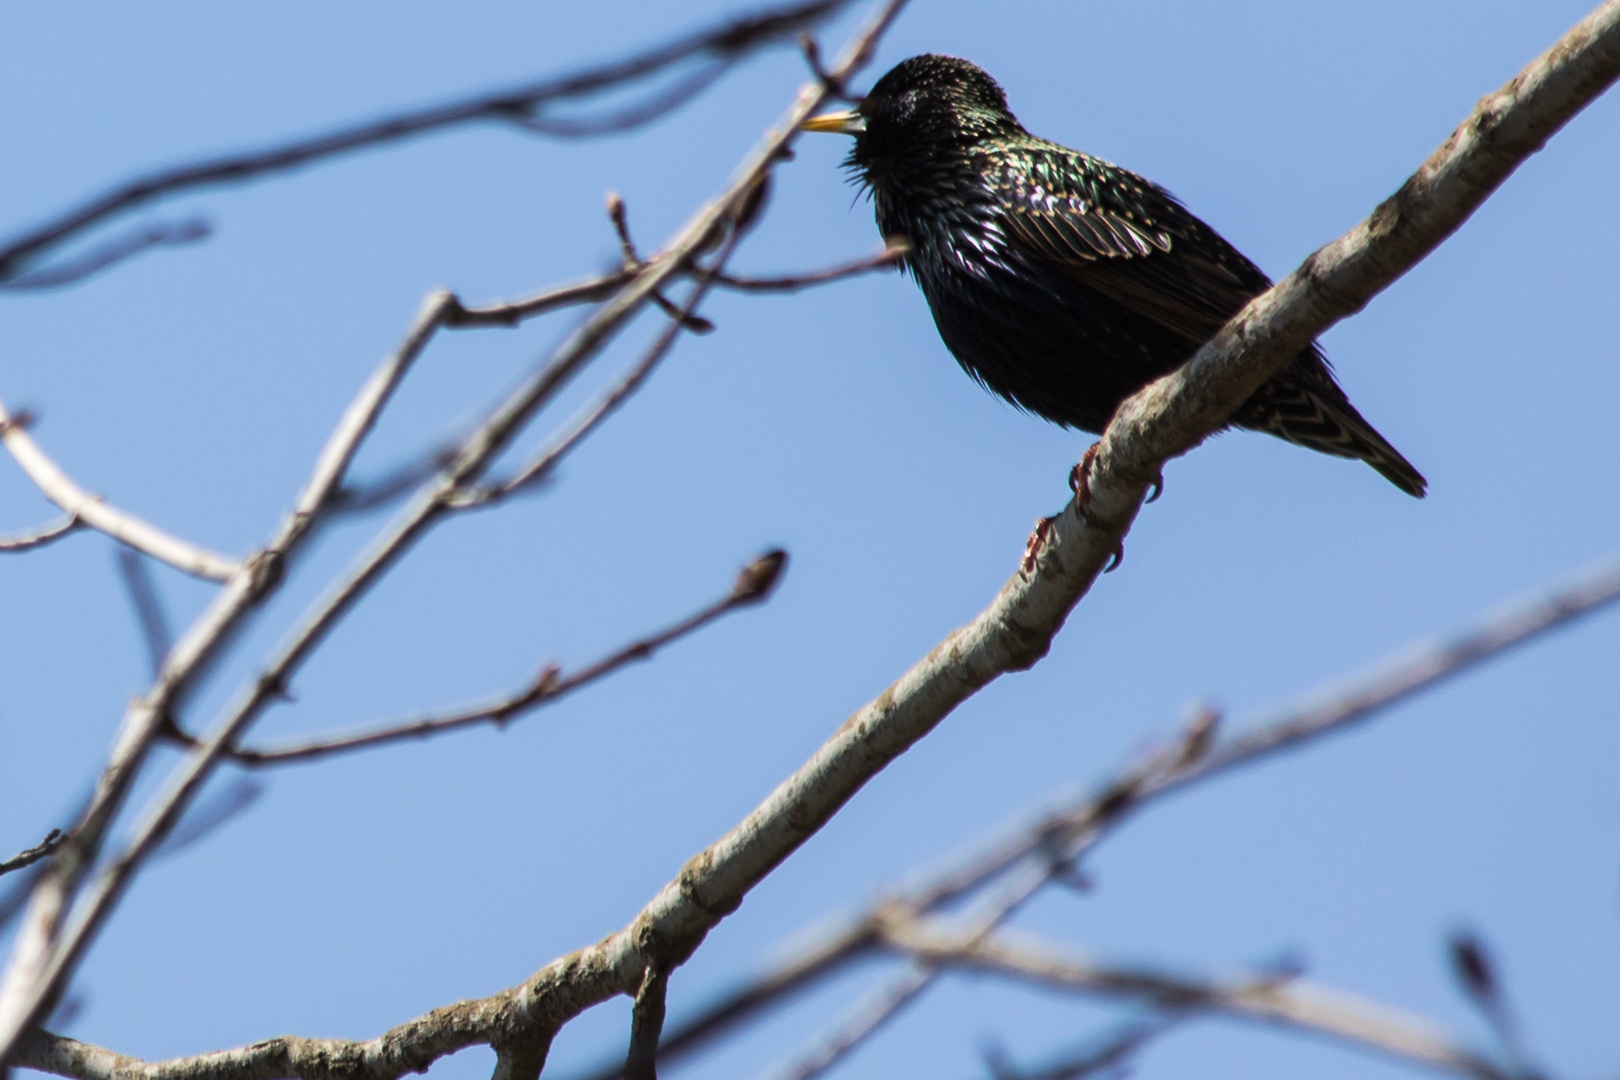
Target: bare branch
394	485
1475	972
863	1021
94	512
149	613
1049	846
45	952
629	117
618	214
893	253
1292	1004
1110	1051
802	970
811	49
114	251
41	850
722	45
514	312
1172	415
208	815
540	467
868	1018
646	1024
36	965
546	687
33	538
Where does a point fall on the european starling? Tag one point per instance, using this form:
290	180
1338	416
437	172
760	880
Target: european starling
1063	282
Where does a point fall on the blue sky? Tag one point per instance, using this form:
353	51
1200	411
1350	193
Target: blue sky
194	386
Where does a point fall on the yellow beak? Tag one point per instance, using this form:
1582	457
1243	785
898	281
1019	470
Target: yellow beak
839	123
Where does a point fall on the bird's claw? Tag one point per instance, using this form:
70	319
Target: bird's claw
1080	481
1158	487
1037	541
1080	484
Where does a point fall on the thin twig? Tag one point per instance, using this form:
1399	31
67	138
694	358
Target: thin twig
893	253
597	289
863	1021
513	312
208	815
113	251
149	613
1107	1052
96	513
646	1024
41	850
753	586
724	43
1476	973
1284	1002
45	534
632	262
628	117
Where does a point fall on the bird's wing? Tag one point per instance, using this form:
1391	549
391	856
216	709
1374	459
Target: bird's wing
1112	231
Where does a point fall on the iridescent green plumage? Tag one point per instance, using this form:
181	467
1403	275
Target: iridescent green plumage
1062	282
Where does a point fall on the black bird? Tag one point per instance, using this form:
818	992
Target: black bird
1063	282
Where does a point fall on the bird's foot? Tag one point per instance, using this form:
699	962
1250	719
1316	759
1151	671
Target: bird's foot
1037	541
1080	484
1080	481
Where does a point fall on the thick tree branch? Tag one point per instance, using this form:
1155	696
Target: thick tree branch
721	45
94	512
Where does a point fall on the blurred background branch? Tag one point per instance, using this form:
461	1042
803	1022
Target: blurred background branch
719	47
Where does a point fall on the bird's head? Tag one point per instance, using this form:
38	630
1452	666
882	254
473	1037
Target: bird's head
923	106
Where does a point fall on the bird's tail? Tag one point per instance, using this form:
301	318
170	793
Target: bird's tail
1319	417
